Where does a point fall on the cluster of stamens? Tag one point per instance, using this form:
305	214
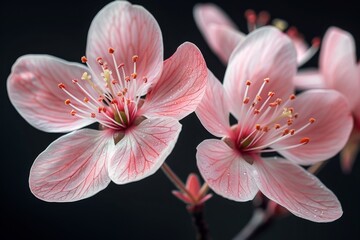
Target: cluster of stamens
270	119
114	104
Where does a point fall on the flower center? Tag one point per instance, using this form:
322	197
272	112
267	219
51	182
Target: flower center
266	122
115	102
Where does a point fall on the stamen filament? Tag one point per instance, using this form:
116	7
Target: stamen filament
281	149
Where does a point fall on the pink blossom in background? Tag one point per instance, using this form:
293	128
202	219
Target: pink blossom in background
136	133
305	129
222	34
339	70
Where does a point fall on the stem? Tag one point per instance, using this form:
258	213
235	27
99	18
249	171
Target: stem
259	221
197	213
176	180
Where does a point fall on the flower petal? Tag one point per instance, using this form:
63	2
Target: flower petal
226	172
328	134
309	79
301	47
297	190
33	90
193	184
338	64
209	13
181	86
215	27
224	39
356	109
182	196
130	30
143	149
213	110
73	167
265	53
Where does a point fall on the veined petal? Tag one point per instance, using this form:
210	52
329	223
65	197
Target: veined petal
73	167
327	135
33	90
338	64
181	86
130	30
265	53
213	110
309	79
143	149
297	190
226	172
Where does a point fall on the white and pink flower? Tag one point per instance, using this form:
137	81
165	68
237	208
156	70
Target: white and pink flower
338	70
305	129
127	87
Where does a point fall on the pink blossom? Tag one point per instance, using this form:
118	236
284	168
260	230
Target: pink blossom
304	129
339	70
124	62
222	34
197	193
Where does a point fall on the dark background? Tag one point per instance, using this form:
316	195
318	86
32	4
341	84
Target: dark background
146	209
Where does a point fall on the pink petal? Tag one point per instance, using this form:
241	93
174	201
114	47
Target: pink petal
328	134
193	184
143	149
224	39
338	64
130	30
33	90
182	196
209	13
205	198
300	46
309	79
226	172
297	190
181	86
211	21
356	109
265	53
213	110
72	168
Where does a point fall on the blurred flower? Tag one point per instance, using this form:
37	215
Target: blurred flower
339	70
124	62
197	194
258	92
222	34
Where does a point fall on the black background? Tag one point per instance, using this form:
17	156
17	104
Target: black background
146	209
